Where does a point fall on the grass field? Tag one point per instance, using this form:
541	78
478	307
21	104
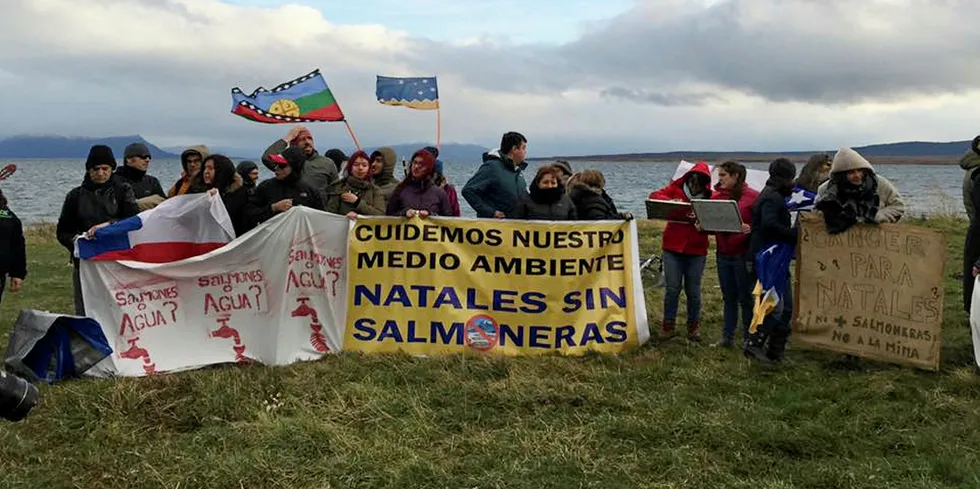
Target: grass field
669	415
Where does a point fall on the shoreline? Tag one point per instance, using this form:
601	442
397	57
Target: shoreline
673	158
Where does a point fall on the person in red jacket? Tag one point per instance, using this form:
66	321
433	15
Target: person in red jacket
733	253
685	248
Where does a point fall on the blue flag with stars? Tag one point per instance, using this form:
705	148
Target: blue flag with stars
800	200
414	93
772	263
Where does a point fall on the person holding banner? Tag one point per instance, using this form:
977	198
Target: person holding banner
286	190
97	202
685	250
732	253
417	194
219	176
592	203
546	199
855	194
355	194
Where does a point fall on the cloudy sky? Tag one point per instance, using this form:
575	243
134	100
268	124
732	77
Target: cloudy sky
576	77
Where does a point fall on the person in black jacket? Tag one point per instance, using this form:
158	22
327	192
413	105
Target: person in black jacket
546	199
771	224
249	172
286	190
13	253
147	189
99	201
219	176
592	203
971	246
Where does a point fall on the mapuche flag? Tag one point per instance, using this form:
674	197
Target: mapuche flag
305	99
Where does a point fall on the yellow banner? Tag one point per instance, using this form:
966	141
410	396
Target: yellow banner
437	286
872	291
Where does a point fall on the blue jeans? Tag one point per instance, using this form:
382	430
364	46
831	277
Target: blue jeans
736	290
683	271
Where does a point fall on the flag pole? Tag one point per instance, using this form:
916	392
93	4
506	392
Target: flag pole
439	127
352	136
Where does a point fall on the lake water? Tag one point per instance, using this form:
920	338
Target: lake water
37	190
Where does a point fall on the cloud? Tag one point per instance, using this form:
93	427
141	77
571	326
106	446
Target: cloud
664	99
817	51
735	74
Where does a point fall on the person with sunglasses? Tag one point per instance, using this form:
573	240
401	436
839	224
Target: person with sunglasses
147	189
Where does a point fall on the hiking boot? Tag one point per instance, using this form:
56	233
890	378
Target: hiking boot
755	347
666	329
694	332
776	349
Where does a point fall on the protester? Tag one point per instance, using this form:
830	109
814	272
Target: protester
249	172
970	163
337	157
547	199
283	192
219	176
855	194
317	171
383	162
13	252
355	194
732	253
442	182
418	194
685	249
566	171
498	184
971	197
815	172
99	201
587	192
146	188
771	225
191	160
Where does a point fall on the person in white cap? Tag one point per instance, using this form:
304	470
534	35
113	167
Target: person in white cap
856	194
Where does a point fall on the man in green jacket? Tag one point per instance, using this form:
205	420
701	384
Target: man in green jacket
498	184
318	172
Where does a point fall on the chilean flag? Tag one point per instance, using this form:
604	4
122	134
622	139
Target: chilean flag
180	227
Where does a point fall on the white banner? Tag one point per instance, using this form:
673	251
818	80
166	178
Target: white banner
756	179
276	295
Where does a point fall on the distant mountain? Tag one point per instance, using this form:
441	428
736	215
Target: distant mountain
44	147
449	152
233	153
916	148
945	151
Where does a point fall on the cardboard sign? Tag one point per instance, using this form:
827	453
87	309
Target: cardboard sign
873	291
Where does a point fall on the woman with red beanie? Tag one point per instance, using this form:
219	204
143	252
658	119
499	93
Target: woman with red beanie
732	253
354	194
685	249
418	194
